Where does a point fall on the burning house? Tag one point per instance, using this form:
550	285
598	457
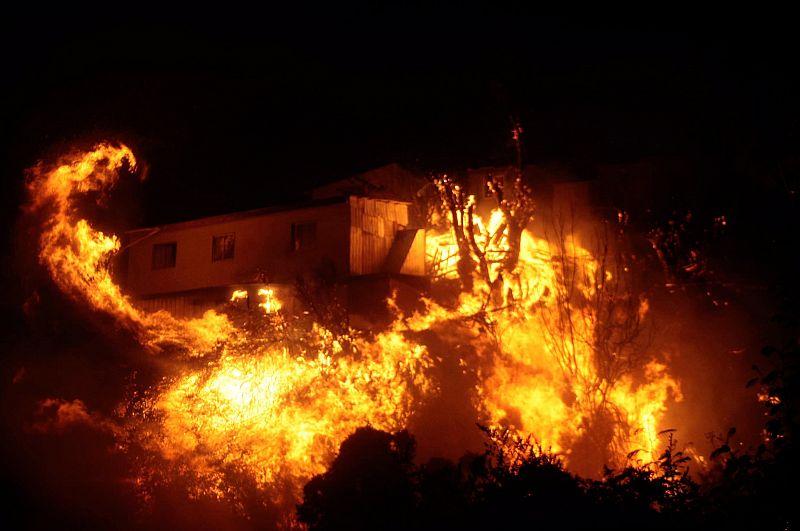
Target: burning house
359	237
361	248
559	190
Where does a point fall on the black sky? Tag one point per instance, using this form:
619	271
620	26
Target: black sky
241	109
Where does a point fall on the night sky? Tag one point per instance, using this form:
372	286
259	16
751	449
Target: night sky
237	110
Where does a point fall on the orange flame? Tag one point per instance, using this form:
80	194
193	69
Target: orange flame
238	295
270	304
282	416
77	255
542	375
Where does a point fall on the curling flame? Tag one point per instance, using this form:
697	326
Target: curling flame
77	255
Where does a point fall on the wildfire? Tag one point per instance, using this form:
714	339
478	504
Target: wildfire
281	415
276	405
275	408
77	255
555	366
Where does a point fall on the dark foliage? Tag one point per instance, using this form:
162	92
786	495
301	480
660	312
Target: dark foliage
373	484
368	486
756	488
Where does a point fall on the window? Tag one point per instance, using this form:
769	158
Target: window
222	247
304	235
487	187
164	255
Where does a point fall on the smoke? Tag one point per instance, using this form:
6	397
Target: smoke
712	350
58	415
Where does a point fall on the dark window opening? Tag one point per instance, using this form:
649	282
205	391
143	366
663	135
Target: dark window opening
304	235
222	247
164	255
487	187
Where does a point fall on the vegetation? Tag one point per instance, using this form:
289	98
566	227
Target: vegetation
374	483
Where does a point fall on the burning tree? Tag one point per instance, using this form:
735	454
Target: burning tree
480	248
598	309
561	317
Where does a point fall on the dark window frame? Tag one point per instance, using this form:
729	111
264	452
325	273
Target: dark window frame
487	187
163	259
225	253
304	236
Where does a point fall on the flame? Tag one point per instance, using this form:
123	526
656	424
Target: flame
542	375
275	402
238	295
282	416
77	255
270	304
74	252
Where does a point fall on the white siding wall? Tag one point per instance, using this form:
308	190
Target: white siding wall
263	251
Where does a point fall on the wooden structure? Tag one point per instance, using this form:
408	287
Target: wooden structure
188	267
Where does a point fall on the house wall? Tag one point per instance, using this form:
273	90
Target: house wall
374	224
407	254
263	251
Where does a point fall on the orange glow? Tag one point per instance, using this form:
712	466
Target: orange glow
542	377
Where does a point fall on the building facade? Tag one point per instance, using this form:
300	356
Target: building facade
357	244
